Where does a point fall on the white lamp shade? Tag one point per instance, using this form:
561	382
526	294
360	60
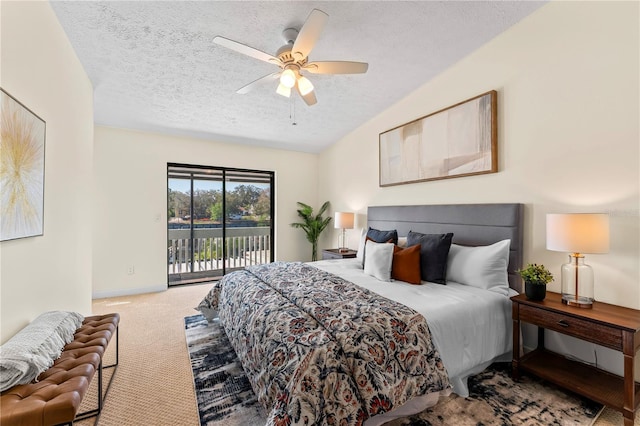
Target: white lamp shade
288	78
283	90
343	220
578	232
304	85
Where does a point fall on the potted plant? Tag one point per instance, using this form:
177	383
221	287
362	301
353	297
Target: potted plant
312	225
536	277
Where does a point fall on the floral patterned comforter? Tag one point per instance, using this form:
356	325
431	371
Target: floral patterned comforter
320	350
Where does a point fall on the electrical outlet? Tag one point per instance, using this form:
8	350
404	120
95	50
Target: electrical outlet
131	270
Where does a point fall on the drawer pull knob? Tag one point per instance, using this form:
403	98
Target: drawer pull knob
563	323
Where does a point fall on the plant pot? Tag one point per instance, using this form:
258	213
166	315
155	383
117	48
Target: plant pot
535	291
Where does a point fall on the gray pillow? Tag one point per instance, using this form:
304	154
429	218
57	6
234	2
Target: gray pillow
376	236
383	236
434	251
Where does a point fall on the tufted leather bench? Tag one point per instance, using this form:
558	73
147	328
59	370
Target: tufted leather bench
56	396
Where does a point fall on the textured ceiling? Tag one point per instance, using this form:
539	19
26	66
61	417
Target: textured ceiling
154	66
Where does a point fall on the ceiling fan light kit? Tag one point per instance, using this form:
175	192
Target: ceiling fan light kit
304	85
288	78
283	90
293	57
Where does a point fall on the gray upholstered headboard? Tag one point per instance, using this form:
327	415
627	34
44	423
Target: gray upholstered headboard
471	224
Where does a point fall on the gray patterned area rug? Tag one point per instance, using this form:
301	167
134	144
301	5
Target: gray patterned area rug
223	391
225	397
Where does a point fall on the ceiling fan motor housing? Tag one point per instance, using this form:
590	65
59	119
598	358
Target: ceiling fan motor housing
290	35
284	53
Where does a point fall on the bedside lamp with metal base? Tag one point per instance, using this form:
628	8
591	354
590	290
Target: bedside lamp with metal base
578	233
344	221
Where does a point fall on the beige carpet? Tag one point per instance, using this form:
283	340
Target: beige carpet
153	384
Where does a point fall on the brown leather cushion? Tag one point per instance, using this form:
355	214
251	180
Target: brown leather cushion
406	264
55	398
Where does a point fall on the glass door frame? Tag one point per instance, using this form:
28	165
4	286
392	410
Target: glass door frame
223	173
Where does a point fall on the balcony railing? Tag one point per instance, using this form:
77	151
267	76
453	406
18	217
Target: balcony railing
244	246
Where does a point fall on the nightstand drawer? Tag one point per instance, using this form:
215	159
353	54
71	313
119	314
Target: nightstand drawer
582	329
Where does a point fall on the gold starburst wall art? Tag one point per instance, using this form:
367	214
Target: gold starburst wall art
22	139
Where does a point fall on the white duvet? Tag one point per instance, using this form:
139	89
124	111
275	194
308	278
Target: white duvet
470	327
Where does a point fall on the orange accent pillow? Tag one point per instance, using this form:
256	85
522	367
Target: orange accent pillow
406	264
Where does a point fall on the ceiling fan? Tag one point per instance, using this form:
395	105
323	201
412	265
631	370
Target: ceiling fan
292	58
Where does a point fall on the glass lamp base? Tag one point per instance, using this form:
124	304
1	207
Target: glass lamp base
577	282
342	242
580	301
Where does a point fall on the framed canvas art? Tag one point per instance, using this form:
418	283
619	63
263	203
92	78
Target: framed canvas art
22	139
460	140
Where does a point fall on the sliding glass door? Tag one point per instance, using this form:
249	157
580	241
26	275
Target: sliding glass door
219	220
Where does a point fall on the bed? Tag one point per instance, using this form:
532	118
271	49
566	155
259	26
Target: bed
325	343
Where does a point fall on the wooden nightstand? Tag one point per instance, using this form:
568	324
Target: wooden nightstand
337	254
611	326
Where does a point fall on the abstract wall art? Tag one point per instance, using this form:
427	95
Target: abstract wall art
460	140
22	143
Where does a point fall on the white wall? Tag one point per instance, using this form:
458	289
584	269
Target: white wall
40	69
130	220
568	135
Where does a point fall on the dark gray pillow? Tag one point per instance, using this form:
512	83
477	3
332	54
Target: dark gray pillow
383	236
434	251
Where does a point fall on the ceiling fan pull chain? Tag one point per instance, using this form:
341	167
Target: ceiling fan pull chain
292	111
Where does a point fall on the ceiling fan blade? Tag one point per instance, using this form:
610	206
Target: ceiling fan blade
246	50
309	34
337	67
249	87
309	98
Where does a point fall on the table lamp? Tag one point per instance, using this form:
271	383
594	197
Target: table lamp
578	233
344	221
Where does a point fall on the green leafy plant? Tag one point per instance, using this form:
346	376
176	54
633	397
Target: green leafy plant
312	225
536	274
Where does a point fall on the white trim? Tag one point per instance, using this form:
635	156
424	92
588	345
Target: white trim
128	292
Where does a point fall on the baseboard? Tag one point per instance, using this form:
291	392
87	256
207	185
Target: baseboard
127	292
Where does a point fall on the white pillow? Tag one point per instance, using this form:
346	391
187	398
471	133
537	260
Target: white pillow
483	267
402	242
378	260
363	239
